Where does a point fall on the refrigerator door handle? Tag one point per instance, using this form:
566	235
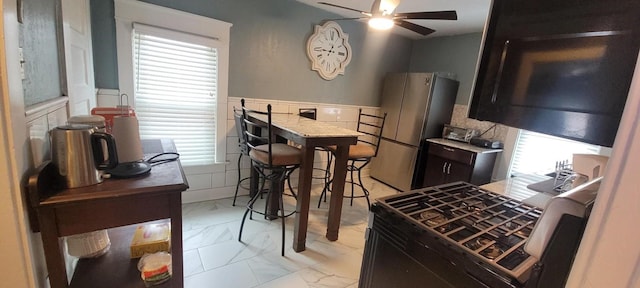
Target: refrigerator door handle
444	167
449	169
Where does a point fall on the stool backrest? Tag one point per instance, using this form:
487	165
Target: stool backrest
242	143
253	130
371	125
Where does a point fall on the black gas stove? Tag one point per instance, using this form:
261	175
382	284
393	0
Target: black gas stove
456	235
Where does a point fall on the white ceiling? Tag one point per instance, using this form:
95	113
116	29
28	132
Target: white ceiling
471	14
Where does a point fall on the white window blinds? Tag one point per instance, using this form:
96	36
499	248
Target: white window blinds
538	153
176	91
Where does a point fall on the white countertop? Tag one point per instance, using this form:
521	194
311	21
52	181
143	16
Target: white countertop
516	188
462	145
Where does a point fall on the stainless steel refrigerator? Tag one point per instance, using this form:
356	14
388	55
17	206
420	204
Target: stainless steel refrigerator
417	106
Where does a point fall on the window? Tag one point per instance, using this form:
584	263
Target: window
175	66
176	91
537	153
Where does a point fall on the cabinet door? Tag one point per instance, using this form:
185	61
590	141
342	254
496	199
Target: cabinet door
435	171
458	172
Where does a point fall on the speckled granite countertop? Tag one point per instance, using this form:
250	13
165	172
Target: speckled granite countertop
516	188
307	127
462	145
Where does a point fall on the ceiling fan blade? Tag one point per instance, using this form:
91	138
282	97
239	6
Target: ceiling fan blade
436	15
414	27
340	19
384	7
342	7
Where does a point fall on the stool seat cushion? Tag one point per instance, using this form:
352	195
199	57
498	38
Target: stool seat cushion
359	151
282	154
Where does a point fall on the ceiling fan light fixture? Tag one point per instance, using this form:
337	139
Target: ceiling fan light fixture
380	23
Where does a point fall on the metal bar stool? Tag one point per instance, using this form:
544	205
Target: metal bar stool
273	161
244	150
360	154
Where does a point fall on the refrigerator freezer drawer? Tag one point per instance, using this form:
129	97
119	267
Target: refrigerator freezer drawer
394	164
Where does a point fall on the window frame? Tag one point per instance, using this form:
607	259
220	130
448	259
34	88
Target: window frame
128	12
588	148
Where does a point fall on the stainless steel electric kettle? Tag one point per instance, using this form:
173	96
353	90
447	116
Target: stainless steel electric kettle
78	154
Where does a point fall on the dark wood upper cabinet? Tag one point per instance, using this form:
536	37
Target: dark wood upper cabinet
561	68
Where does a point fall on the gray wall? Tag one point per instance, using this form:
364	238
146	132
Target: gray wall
457	54
103	36
267	51
40	49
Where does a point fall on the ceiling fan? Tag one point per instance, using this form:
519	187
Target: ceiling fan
382	16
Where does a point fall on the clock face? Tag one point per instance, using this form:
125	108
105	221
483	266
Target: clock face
329	50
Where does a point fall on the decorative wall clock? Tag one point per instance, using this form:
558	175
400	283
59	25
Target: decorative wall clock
329	50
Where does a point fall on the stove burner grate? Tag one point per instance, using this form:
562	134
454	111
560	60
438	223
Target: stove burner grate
490	227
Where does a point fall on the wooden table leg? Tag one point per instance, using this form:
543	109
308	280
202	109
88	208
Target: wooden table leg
273	203
304	196
176	240
52	248
335	204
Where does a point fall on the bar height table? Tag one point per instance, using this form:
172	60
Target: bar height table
310	134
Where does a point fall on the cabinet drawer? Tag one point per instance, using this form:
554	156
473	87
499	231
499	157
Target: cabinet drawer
451	153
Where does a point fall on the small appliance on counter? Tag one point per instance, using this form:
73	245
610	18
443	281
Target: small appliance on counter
130	155
486	143
109	113
458	134
77	153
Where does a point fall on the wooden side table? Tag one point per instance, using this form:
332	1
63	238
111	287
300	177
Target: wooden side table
117	205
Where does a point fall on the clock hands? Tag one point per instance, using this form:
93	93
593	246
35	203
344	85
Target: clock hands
329	51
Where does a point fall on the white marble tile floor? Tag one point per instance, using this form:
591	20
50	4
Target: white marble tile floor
213	257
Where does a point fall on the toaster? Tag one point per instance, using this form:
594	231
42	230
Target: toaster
458	134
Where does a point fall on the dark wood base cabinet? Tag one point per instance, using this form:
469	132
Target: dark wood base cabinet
446	164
